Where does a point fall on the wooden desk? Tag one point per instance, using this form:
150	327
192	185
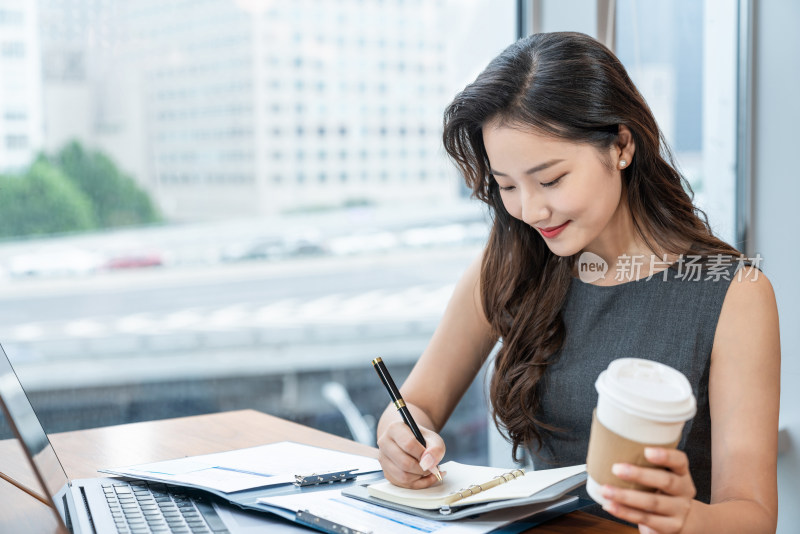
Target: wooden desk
83	451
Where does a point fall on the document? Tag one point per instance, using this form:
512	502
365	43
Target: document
365	517
254	467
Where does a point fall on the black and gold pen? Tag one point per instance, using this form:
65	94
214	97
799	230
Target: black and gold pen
400	404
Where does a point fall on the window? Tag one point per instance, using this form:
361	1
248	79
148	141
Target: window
214	275
15	115
10	17
686	69
16	141
12	49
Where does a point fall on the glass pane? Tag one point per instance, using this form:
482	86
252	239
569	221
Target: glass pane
236	202
682	57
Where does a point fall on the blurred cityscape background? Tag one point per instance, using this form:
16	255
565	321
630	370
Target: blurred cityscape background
218	204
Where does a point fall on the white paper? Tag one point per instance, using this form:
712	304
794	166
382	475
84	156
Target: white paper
366	517
241	469
459	477
533	482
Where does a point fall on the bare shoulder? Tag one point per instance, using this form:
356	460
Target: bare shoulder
750	293
749	316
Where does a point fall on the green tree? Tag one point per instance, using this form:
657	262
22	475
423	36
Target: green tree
42	201
117	199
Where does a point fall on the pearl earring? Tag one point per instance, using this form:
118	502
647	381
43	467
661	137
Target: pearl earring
622	163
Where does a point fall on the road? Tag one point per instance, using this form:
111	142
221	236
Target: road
224	319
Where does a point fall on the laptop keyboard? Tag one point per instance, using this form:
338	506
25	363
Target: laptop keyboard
139	507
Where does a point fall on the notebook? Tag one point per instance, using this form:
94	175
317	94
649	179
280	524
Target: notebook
115	505
474	490
465	485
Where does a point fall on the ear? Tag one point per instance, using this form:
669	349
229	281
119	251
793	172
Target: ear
624	149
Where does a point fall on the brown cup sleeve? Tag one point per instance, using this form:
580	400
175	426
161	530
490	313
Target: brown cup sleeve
607	448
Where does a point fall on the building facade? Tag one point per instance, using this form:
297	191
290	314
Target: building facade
21	119
226	108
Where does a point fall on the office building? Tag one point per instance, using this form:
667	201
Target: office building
258	107
21	129
234	108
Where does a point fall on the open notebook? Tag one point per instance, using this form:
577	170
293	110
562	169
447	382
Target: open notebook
472	484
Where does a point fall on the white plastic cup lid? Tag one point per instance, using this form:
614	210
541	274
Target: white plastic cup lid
648	389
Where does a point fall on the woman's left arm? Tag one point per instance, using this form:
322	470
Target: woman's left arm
744	397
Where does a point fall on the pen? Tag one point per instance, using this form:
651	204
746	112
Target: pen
400	404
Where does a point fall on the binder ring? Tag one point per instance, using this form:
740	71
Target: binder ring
469	491
511	475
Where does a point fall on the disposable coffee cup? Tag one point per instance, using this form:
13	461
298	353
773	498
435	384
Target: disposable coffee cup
640	403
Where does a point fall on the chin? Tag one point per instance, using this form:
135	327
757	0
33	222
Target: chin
563	249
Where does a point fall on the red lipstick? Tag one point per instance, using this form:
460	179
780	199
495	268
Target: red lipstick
553	230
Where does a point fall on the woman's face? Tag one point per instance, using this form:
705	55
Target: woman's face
562	189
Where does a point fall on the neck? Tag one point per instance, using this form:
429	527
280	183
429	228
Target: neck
619	237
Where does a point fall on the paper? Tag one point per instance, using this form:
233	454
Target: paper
242	469
459	477
533	482
366	517
250	522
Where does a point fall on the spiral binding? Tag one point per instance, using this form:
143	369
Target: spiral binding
477	488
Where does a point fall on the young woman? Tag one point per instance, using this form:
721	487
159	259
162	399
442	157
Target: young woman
554	137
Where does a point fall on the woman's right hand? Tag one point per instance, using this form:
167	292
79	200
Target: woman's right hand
405	461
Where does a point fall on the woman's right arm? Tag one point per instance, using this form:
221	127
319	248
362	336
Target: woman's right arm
455	354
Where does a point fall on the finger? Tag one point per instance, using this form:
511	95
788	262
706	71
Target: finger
401	478
649	502
673	459
434	452
660	523
393	452
425	482
406	459
396	473
429	463
401	435
666	481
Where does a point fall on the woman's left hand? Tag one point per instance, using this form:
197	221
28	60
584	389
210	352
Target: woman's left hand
665	511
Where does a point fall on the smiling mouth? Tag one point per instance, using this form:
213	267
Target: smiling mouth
551	228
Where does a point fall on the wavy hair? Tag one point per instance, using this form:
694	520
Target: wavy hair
570	87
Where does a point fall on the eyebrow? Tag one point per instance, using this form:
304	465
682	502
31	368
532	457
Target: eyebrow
532	170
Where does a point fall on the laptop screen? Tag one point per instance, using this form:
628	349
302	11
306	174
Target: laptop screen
29	430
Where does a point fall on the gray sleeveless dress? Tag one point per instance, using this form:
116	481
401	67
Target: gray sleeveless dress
671	321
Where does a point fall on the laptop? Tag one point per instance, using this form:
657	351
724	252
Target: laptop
116	505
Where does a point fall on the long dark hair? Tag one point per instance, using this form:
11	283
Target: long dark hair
570	87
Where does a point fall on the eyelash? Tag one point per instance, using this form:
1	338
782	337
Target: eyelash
548	184
551	183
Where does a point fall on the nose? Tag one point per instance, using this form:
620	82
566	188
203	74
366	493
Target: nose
534	209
